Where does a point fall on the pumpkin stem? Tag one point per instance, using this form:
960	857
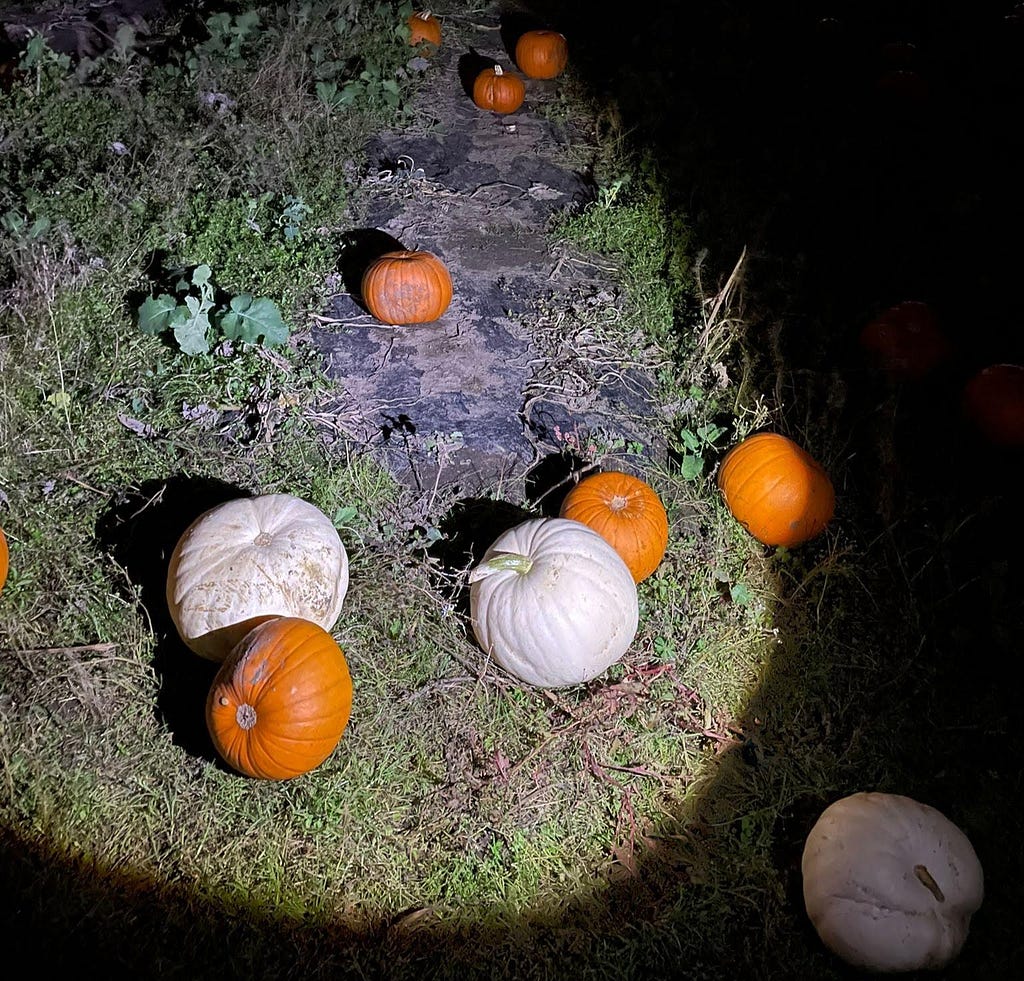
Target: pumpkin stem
929	883
503	560
497	70
245	716
618	503
263	538
424	15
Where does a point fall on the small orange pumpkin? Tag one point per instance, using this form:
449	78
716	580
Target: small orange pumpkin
498	91
542	54
627	513
281	700
4	560
993	400
407	287
425	29
776	490
905	341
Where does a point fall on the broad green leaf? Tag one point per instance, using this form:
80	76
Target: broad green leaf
710	432
247	21
692	466
740	594
155	313
689	440
124	39
252	318
327	92
191	325
344	515
202	275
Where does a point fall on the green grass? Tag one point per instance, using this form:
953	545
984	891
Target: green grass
453	790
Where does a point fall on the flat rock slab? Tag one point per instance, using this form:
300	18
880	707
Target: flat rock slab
508	373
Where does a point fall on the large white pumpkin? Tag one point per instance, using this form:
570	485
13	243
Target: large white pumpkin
553	603
250	559
889	883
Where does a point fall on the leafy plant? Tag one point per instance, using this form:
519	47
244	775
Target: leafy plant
24	230
696	444
197	316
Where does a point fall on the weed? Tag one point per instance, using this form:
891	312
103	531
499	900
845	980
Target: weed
197	318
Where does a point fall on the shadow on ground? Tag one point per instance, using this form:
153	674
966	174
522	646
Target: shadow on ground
780	129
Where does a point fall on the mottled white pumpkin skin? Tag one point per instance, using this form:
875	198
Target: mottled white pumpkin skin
567	619
864	890
250	559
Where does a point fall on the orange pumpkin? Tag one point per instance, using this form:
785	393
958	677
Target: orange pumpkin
495	90
627	513
994	401
407	287
4	557
776	490
542	54
425	29
905	341
281	700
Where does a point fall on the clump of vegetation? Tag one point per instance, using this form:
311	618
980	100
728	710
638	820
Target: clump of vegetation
197	315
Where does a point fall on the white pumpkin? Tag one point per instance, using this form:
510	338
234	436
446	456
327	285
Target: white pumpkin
553	603
889	883
250	559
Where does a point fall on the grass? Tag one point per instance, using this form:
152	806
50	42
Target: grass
646	825
455	791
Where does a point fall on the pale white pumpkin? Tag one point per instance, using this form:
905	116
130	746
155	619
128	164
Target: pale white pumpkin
250	559
890	884
553	603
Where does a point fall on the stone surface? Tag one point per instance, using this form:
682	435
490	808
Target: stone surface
509	373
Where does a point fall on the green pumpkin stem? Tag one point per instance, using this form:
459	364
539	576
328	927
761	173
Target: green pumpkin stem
500	562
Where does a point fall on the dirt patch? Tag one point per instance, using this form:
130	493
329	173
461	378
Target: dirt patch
81	29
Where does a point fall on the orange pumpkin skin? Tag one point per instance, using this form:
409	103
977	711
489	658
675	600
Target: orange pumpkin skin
542	54
424	28
993	400
281	700
627	513
498	91
4	559
407	287
905	341
776	490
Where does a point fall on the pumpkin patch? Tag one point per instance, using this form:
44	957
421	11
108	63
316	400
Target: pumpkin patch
627	513
407	287
498	91
553	603
629	721
281	700
542	54
993	400
251	559
776	490
890	884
